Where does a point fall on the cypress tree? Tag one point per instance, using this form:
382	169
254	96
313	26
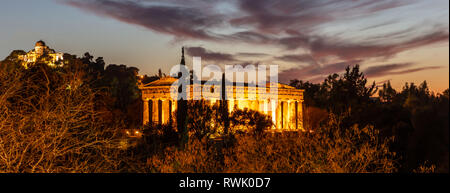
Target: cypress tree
182	108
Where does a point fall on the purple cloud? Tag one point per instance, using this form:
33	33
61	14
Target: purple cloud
252	54
179	21
208	55
315	73
395	69
302	58
346	51
286	24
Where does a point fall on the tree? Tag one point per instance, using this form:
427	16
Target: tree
182	116
251	121
12	60
122	83
348	91
224	114
49	123
387	93
313	94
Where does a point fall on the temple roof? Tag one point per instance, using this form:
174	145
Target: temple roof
168	81
165	81
285	86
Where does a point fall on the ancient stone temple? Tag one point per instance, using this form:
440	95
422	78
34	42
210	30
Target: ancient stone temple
41	49
286	112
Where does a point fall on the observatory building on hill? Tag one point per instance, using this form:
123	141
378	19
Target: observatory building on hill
41	49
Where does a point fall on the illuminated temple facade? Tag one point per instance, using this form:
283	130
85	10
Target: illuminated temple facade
286	112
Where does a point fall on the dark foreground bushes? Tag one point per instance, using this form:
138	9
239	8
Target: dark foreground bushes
49	122
327	150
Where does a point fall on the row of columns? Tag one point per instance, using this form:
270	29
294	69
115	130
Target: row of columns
286	114
158	111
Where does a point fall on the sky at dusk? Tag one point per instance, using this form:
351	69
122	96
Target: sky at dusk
400	41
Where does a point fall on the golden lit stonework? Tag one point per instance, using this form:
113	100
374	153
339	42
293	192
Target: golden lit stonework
41	49
286	111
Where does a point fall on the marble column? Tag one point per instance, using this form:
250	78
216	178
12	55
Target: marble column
170	110
150	111
280	114
145	115
265	104
160	115
296	114
174	106
300	115
155	112
274	112
165	111
288	115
